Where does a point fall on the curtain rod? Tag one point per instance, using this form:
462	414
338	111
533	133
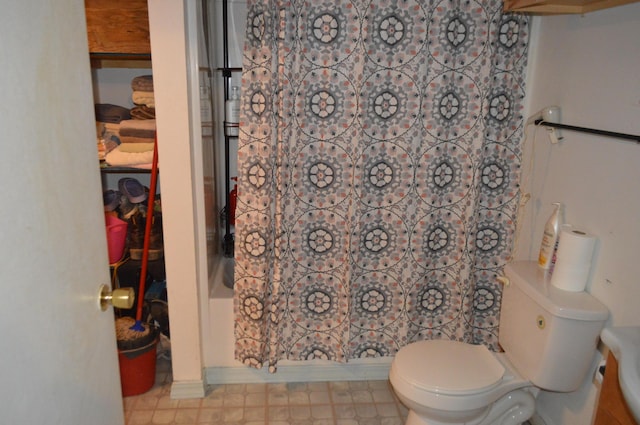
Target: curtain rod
588	130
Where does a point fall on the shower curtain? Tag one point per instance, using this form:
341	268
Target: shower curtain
378	164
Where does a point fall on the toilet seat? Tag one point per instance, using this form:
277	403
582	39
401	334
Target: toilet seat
462	376
457	368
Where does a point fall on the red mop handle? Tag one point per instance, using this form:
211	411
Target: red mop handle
147	229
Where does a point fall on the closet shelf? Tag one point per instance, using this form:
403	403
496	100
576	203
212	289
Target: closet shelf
108	169
120	60
118	26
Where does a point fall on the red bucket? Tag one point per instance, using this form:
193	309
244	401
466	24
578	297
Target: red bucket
138	369
116	237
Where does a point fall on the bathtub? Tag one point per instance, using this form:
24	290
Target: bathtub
218	348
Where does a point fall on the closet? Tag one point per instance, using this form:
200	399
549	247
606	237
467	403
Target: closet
120	53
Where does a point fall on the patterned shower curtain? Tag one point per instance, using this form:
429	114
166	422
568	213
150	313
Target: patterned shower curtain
378	166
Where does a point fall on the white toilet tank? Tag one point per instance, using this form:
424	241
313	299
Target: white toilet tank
548	334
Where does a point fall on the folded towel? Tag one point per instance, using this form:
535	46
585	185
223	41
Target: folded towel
114	128
138	128
136	147
106	127
133	139
128	125
142	83
101	151
106	144
143	98
143	112
100	128
106	112
117	158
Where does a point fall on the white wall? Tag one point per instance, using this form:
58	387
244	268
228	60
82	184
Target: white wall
590	67
181	169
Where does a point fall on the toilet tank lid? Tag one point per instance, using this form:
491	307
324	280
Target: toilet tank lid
536	283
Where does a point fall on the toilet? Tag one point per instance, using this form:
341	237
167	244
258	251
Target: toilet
549	337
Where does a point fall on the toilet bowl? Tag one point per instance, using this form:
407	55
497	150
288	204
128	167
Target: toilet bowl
549	337
449	382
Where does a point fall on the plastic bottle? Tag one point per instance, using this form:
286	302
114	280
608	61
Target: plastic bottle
549	243
232	112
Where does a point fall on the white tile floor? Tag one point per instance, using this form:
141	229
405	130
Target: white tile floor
315	403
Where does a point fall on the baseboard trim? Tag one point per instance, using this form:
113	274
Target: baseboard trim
299	373
187	389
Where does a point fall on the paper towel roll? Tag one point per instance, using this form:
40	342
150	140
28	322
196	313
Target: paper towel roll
572	279
576	246
573	259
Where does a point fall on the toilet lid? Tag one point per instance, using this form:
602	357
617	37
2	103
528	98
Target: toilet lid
448	367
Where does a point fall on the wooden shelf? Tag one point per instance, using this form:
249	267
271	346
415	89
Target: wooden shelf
118	60
104	168
561	7
118	27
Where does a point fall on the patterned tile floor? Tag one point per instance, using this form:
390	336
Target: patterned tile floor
314	403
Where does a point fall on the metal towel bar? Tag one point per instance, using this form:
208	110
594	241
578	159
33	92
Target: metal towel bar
588	130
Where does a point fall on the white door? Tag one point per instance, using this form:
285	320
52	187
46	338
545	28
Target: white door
58	359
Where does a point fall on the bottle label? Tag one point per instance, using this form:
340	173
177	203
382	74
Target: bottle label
547	240
542	260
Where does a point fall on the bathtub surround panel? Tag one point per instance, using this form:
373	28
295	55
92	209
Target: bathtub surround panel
378	165
302	371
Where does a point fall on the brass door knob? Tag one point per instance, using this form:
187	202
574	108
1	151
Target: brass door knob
504	280
119	298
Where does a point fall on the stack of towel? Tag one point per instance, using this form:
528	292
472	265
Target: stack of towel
136	144
142	96
137	135
108	118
